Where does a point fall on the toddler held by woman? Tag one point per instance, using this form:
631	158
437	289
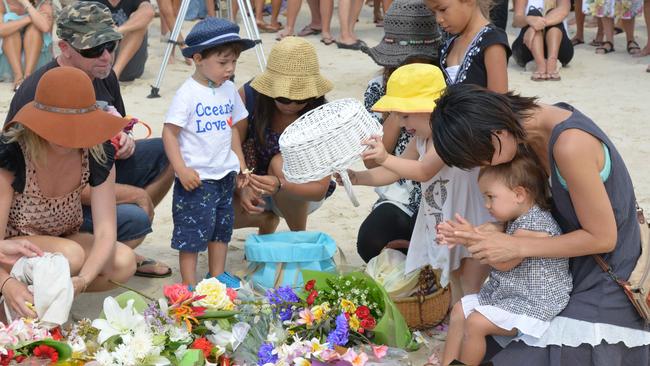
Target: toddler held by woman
521	296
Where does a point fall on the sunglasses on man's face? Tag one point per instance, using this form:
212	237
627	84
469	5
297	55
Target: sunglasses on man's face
283	100
97	51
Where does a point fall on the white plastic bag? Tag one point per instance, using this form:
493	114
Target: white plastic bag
388	270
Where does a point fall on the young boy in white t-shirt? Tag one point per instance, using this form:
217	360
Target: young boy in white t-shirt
204	149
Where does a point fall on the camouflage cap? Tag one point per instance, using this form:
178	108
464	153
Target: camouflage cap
86	24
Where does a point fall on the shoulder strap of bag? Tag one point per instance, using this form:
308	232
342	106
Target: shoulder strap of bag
605	266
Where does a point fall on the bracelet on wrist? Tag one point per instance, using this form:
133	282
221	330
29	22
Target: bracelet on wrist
2	287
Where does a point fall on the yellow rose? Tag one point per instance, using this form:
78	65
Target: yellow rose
348	306
354	322
216	297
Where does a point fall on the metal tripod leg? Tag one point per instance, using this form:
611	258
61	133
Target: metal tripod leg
170	46
252	32
250	26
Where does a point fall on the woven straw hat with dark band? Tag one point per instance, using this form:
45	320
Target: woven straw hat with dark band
410	28
292	72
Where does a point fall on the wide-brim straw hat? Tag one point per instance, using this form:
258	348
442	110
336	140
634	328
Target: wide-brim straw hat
412	88
212	32
410	29
292	72
64	111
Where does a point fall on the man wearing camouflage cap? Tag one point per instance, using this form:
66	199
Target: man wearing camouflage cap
132	18
88	40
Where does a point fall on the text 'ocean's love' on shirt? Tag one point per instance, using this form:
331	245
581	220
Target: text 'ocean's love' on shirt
206	116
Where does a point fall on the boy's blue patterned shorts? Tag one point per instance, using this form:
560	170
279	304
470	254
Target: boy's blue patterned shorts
203	215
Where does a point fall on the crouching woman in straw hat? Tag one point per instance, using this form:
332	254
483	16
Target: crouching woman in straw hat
49	152
290	87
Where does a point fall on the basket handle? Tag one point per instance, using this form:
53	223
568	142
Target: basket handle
348	187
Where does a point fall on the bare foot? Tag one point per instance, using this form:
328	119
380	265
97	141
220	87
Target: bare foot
644	51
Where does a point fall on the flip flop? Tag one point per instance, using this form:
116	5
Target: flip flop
148	262
308	31
577	41
595	43
327	41
554	76
281	36
647	69
354	46
265	28
539	76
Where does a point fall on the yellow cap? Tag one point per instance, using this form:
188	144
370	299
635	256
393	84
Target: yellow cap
412	88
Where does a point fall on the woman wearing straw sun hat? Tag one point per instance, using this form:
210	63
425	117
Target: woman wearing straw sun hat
411	36
290	86
53	148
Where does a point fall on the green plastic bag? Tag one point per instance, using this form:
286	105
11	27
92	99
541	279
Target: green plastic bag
391	329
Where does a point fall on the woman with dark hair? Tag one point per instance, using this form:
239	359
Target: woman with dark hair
290	87
594	203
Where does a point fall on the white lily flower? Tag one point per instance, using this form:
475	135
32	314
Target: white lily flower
118	321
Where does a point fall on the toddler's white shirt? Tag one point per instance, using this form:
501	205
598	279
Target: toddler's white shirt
206	116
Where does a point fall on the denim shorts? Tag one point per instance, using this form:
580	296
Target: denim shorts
269	205
141	169
203	215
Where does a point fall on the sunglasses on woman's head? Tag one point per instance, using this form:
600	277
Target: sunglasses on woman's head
283	100
97	51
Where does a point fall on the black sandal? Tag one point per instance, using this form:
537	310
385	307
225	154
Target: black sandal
605	50
632	45
149	262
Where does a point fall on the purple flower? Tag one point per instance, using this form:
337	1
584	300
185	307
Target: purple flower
283	300
156	318
339	336
265	354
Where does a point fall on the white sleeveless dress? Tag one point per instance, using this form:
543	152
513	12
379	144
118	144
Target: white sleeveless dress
450	191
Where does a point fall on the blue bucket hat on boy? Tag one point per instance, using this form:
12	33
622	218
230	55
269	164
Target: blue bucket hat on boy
211	32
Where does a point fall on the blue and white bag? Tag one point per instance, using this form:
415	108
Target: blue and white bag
277	259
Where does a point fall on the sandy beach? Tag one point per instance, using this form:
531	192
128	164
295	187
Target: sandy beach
612	89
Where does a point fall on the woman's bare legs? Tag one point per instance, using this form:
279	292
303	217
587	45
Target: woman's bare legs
120	269
293	8
553	40
348	14
326	11
32	45
12	46
276	5
646	15
580	23
608	31
534	40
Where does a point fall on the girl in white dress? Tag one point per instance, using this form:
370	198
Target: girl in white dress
411	92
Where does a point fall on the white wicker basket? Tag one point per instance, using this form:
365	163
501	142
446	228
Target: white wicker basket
327	140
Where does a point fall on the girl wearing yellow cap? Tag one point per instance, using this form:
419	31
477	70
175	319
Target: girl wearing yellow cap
411	92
